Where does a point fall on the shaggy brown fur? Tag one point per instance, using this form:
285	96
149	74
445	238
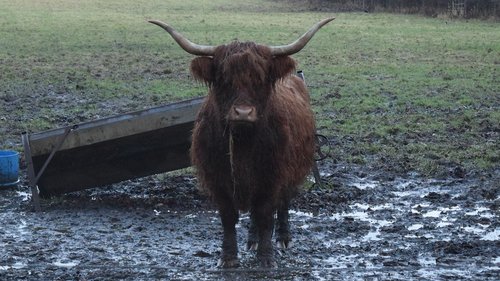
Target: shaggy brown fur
259	166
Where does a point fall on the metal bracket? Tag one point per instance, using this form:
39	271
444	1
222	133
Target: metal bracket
32	178
321	142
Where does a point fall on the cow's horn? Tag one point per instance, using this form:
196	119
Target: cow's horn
188	46
290	49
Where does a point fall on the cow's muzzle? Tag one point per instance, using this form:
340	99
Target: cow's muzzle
242	114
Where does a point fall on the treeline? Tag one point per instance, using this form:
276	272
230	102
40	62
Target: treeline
455	8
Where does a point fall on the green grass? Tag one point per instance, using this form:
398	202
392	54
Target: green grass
414	93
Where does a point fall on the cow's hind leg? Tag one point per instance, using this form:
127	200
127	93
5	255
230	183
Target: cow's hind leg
229	256
253	234
283	237
264	218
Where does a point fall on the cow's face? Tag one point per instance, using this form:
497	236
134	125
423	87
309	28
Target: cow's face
241	77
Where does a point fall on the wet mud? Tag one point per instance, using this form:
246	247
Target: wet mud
367	227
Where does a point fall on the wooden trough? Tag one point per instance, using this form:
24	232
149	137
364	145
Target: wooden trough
110	150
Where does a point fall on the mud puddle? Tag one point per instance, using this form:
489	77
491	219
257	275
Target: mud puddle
365	228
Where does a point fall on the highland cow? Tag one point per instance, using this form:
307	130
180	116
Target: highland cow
253	140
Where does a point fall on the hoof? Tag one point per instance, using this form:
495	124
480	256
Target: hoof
252	246
283	244
228	263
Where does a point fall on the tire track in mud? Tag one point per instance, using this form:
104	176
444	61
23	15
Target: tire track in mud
363	228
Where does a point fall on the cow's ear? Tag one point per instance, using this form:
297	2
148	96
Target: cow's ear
281	66
202	69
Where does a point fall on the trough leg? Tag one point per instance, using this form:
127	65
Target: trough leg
283	237
229	256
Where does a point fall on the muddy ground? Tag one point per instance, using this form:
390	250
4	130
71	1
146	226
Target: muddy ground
370	226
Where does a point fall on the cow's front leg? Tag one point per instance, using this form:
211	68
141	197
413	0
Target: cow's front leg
229	218
283	237
264	218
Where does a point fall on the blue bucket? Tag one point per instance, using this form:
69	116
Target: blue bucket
9	167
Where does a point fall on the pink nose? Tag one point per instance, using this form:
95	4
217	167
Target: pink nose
243	113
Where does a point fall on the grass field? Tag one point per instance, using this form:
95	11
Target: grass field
397	92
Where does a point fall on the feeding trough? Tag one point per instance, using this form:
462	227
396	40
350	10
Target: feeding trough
110	150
